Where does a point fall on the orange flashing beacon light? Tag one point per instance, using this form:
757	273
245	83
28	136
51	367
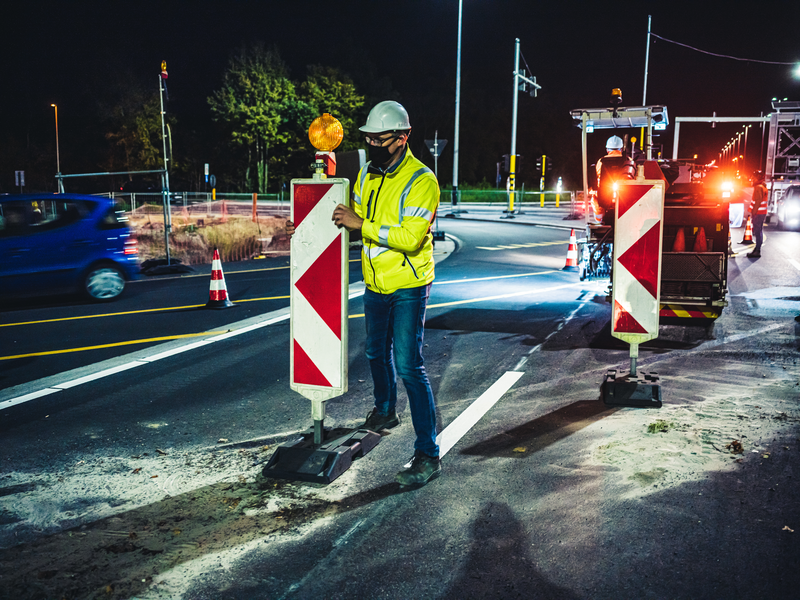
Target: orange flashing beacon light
325	134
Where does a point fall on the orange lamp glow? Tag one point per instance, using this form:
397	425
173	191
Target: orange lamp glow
326	133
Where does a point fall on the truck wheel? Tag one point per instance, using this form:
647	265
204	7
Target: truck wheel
103	283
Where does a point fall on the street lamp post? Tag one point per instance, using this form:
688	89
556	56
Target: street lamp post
744	161
454	197
58	157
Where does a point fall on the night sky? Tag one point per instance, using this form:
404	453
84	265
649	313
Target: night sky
65	52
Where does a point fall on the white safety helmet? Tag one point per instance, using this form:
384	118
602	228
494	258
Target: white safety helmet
614	143
386	116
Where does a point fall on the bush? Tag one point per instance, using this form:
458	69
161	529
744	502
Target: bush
193	240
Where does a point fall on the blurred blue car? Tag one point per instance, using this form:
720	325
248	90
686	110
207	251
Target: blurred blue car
53	243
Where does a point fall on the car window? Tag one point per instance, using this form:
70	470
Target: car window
54	213
28	217
13	218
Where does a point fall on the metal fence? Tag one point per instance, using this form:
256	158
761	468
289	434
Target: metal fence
500	197
237	202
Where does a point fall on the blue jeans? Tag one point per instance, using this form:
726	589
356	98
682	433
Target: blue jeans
758	231
395	325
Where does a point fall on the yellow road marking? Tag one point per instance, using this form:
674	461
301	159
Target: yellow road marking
487	298
132	312
128	343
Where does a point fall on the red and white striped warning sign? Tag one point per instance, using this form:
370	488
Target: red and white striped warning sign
319	274
637	260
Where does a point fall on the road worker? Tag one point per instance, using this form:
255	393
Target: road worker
395	198
758	212
611	168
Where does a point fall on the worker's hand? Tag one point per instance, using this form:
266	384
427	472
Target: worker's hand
290	228
344	216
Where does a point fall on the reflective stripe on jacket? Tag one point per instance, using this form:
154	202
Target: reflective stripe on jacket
758	205
398	206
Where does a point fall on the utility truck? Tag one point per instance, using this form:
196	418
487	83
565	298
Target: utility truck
696	234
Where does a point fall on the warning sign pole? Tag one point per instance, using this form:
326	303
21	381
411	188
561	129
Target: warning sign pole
319	317
636	280
319	294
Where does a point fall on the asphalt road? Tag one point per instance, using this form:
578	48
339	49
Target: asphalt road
550	494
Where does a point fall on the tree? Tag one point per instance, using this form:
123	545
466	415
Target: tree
326	90
254	105
134	124
266	116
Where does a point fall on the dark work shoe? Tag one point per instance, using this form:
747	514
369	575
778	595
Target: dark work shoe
376	421
754	254
423	468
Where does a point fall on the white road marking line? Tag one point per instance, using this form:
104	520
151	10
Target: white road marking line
138	362
493	277
467	419
282	315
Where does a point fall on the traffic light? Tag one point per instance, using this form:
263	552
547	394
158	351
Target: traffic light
506	163
548	165
539	164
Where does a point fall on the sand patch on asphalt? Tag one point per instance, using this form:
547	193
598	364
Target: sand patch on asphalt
116	527
651	449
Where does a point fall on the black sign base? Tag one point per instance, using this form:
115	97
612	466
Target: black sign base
302	460
643	391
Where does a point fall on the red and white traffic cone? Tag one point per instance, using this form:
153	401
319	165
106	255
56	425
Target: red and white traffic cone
748	232
218	294
572	253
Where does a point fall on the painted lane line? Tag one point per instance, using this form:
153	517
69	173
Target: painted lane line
502	296
27	397
165	338
513	294
452	281
133	312
99	375
467	419
218	336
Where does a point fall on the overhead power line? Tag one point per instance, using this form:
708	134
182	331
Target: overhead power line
767	62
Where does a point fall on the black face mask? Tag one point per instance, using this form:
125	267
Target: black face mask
379	155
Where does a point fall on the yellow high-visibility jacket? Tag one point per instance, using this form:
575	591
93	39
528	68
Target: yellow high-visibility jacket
398	207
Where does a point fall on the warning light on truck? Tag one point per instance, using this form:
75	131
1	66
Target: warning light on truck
326	133
727	188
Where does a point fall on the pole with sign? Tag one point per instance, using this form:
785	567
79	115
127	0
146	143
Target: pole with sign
436	146
636	282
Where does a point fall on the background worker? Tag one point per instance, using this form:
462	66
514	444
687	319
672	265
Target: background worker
610	168
613	148
758	212
395	198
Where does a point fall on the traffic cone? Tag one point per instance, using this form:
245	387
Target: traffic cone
700	243
218	294
572	253
748	232
679	245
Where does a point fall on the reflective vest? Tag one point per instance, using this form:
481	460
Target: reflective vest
398	206
758	204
